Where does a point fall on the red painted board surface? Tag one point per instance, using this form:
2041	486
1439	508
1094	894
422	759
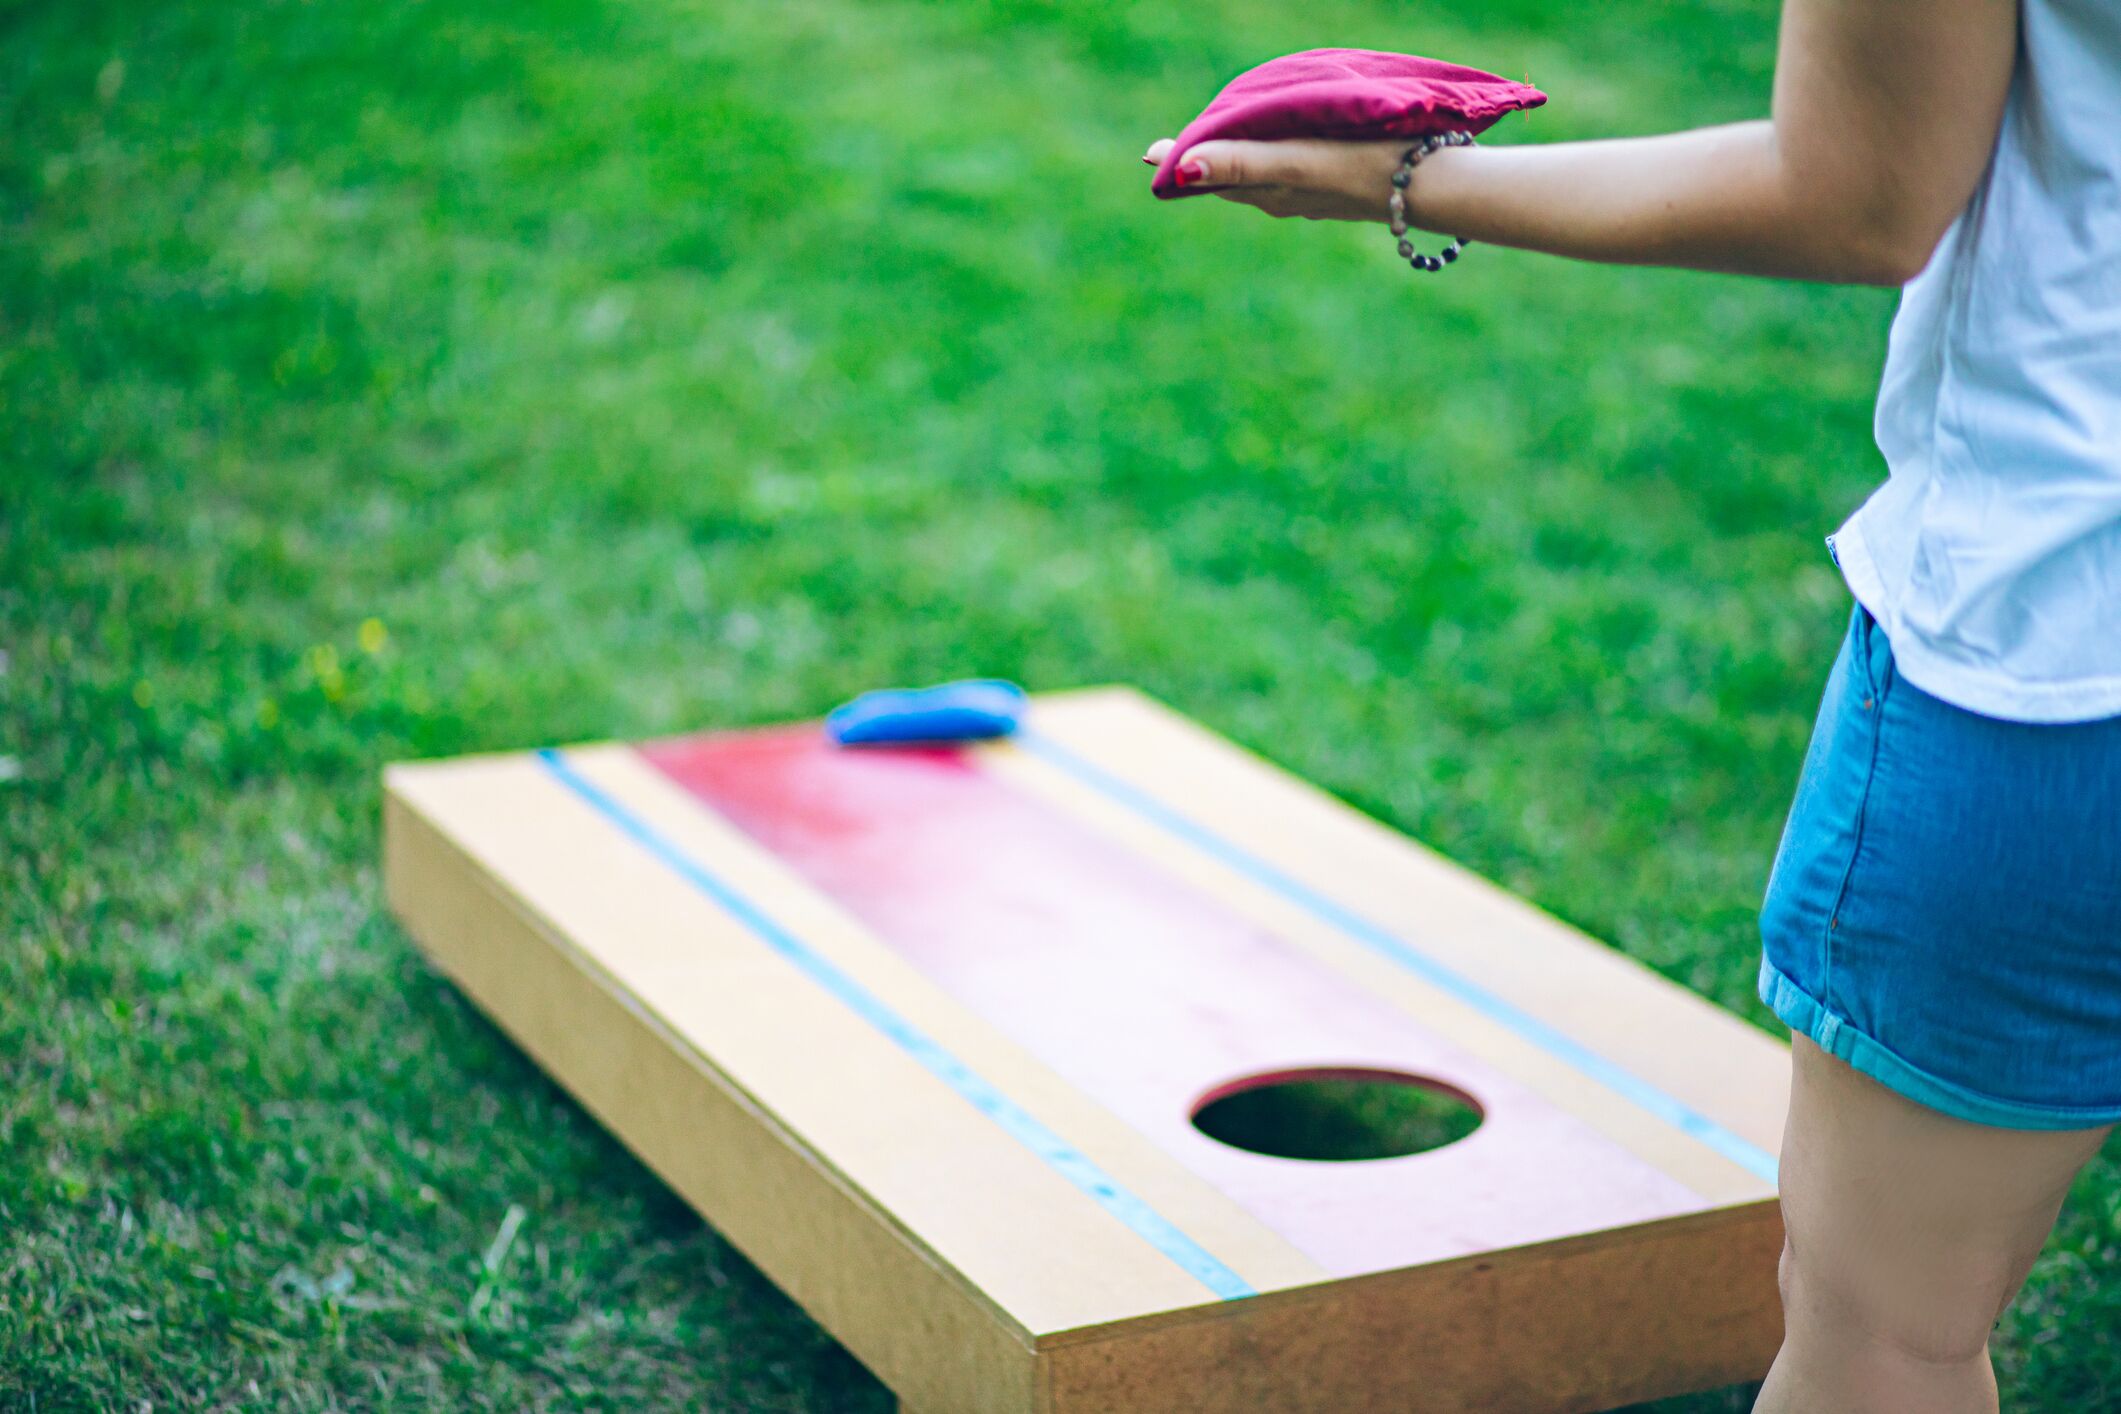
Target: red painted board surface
1148	994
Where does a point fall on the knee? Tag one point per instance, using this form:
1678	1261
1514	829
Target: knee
1905	1314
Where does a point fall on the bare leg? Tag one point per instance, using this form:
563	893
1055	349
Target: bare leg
1909	1232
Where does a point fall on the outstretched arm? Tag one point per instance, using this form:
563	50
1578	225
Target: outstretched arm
1884	115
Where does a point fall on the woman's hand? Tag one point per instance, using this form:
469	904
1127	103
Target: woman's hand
1317	180
1884	116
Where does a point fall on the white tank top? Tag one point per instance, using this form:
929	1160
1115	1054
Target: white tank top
1992	557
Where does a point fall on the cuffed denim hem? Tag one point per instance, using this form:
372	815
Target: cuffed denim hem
1807	1016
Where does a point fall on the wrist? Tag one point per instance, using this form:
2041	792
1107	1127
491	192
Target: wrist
1422	197
1401	219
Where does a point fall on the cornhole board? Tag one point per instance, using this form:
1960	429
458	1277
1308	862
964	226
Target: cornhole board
922	1031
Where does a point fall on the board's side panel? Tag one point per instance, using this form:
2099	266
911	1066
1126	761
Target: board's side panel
913	1324
1615	1319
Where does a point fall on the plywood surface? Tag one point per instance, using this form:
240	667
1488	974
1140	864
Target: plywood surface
1146	991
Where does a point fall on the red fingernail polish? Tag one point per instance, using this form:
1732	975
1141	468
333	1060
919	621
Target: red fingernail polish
1192	172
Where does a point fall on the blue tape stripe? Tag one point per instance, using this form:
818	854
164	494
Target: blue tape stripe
1742	1152
1070	1162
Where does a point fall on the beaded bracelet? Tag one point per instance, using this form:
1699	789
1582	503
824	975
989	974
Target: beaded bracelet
1400	178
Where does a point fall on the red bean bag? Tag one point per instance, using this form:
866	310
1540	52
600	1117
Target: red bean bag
1350	94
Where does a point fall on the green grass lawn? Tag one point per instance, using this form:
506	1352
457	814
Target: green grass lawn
429	376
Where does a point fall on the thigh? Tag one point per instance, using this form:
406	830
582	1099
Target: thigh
1908	1224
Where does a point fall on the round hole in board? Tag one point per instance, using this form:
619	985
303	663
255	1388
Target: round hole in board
1336	1113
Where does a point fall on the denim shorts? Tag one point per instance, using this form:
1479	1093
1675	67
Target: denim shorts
1945	909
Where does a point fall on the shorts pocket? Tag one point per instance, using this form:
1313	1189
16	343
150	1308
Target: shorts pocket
1875	653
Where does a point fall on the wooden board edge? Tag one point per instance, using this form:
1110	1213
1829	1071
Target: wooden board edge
848	1263
1723	1218
1610	1319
